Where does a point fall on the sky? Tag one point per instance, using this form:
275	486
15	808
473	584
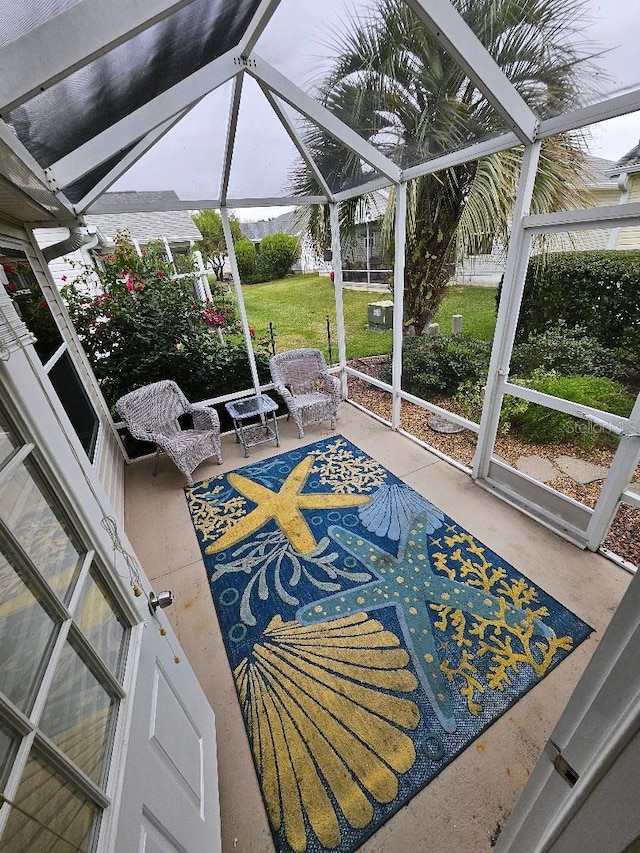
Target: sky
298	42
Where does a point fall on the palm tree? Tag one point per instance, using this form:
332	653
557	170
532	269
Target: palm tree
394	83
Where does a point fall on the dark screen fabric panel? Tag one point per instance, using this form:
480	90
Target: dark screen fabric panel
73	111
78	189
18	19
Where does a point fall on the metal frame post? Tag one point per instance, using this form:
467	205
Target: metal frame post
336	252
512	289
240	299
398	302
619	477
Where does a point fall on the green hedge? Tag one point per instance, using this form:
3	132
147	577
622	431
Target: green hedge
538	424
438	365
599	290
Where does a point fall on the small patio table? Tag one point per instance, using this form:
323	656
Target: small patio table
261	408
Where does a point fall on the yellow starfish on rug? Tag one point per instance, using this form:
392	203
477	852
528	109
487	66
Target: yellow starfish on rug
283	507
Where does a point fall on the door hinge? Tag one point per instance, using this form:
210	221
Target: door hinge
561	765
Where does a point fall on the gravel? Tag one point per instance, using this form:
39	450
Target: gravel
623	538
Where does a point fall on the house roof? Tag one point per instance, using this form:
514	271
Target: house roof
285	223
176	225
629	163
600	169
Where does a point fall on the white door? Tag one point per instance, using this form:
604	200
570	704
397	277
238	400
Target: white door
106	743
583	793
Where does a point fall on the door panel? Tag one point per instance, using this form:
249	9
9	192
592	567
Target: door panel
598	735
104	739
176	736
171	767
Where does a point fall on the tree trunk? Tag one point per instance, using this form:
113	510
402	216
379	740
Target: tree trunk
430	256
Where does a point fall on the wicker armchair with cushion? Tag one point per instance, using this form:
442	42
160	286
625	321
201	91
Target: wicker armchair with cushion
152	413
310	392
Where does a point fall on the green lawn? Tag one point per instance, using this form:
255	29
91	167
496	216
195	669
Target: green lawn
298	306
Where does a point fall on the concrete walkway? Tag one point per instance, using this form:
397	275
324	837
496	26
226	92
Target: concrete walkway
544	470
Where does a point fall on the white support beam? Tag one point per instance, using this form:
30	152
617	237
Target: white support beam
363	189
614	424
226	227
607	216
234	109
622	469
147	117
511	298
71	40
465	155
278	201
460	42
398	302
107	205
294	136
336	252
315	112
257	26
127	162
25	174
617	105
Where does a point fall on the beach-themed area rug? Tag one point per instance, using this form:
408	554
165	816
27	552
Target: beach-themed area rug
371	638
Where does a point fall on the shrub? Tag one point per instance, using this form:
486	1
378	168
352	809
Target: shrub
538	424
599	290
278	253
144	327
246	257
567	351
439	364
470	400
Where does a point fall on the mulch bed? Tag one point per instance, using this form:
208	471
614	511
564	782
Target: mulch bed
624	535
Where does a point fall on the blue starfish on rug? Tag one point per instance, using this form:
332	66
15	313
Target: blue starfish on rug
371	638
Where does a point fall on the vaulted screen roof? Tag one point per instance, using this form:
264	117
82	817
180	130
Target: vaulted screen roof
242	102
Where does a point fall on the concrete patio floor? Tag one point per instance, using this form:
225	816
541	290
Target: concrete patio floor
465	806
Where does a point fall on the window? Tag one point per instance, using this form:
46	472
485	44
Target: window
32	307
63	648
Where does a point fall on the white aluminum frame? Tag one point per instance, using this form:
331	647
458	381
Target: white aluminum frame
224	215
398	301
336	258
512	289
232	126
127	161
460	42
303	151
257	26
315	112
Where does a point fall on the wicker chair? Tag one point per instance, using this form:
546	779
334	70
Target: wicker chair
310	392
152	413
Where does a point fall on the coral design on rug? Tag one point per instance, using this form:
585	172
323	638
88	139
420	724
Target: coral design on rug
371	638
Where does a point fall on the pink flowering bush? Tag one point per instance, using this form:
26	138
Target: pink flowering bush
146	325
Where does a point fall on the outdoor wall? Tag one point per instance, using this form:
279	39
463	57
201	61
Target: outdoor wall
65	268
629	238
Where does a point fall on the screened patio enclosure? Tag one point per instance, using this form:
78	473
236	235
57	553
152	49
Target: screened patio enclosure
220	101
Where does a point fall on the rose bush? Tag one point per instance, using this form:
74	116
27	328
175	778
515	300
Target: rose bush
139	324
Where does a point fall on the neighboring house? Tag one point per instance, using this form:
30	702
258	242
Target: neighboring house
286	223
175	228
610	183
362	251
